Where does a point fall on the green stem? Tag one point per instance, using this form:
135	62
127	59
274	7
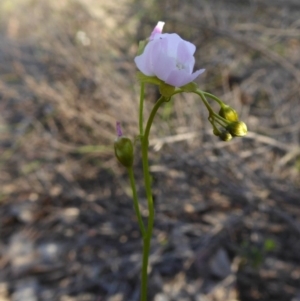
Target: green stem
219	101
135	202
142	96
201	94
217	117
147	237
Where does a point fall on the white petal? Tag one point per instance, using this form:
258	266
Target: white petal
143	61
184	57
163	65
180	78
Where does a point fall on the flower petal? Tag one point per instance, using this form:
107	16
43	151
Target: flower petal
162	63
163	66
173	41
157	29
144	61
184	57
180	78
169	58
194	75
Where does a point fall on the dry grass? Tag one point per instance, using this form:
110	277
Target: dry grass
66	76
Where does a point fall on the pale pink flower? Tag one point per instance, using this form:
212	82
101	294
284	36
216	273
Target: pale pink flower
168	57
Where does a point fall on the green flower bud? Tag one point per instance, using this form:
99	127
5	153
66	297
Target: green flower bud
123	148
228	113
124	151
216	132
237	129
225	136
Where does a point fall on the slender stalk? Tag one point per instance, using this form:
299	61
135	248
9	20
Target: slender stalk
201	94
135	202
141	111
147	237
217	117
219	101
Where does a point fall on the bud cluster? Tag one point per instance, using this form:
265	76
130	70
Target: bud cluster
229	120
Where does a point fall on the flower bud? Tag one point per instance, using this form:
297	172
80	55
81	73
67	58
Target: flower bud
123	148
228	113
124	151
216	132
225	136
237	129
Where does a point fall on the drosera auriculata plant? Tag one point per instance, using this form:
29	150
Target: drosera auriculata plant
166	60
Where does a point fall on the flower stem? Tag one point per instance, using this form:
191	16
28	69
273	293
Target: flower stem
135	202
201	94
147	181
212	114
218	100
141	111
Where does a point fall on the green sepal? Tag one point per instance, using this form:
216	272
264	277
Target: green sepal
166	90
148	79
190	87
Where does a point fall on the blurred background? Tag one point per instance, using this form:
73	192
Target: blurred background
227	214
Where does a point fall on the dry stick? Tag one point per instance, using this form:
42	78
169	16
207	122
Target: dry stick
270	141
159	142
284	216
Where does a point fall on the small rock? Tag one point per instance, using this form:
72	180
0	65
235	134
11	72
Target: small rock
161	297
23	211
21	251
116	297
4	291
26	289
220	265
49	252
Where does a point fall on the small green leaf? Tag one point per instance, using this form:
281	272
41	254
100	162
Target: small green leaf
269	245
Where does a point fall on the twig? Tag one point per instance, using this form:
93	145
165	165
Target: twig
289	157
271	141
286	217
